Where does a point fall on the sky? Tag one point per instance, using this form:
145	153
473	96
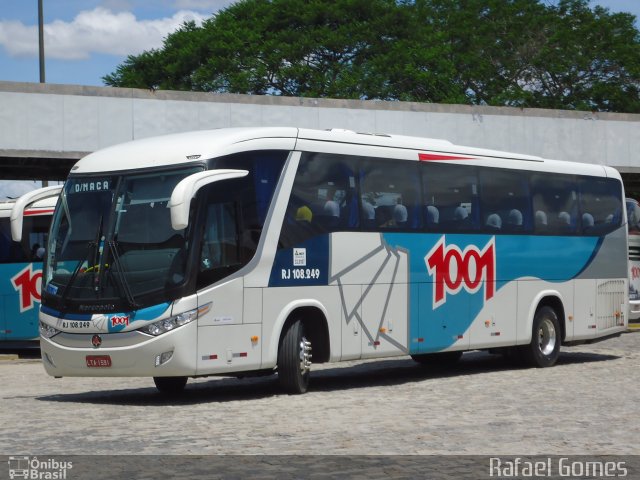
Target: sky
87	39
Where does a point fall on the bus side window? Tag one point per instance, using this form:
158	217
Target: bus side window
556	197
323	198
390	194
34	236
227	218
633	216
450	197
600	205
5	240
504	201
220	239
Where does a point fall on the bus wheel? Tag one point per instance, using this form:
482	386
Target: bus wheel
170	384
441	359
544	349
294	359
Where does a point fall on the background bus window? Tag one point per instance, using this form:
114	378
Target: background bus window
390	195
504	201
323	198
34	237
600	205
35	231
450	197
10	251
555	204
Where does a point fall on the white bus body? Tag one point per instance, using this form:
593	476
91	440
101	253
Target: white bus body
263	249
633	221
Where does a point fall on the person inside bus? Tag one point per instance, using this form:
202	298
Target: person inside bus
303	214
34	252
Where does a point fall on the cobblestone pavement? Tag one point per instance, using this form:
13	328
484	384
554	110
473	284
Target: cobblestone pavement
587	404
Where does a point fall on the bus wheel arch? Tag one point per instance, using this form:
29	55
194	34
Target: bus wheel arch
555	302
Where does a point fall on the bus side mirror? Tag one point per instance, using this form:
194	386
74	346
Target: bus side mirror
187	188
17	212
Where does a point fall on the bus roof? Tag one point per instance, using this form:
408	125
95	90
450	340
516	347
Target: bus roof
189	147
44	206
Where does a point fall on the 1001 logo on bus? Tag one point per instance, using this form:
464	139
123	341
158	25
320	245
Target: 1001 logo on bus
27	283
453	269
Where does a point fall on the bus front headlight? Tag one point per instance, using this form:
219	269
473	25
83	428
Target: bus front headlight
171	323
47	331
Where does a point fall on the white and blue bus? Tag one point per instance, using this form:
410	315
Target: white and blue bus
262	250
22	246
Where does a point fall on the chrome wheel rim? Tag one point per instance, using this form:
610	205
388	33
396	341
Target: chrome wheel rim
305	356
546	337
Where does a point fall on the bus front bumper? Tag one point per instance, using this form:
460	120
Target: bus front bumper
169	354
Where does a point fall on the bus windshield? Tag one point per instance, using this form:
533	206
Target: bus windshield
112	240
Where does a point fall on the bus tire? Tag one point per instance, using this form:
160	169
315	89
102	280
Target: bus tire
170	384
544	349
440	359
294	360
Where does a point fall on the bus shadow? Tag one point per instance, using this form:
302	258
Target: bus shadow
364	375
393	372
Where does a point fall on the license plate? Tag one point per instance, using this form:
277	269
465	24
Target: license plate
98	361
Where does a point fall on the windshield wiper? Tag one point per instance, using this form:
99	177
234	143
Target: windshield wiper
121	279
67	289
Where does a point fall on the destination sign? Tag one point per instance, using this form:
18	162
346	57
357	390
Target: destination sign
91	186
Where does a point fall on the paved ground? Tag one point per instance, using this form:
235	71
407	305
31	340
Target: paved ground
586	405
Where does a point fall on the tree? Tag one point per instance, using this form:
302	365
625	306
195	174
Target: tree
497	52
589	61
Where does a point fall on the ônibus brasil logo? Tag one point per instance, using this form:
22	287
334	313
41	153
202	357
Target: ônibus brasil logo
27	282
454	269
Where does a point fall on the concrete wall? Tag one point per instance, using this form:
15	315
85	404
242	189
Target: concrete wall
63	121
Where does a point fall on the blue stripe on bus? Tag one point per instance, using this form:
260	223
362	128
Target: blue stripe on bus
544	258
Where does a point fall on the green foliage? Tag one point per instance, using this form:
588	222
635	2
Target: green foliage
524	53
